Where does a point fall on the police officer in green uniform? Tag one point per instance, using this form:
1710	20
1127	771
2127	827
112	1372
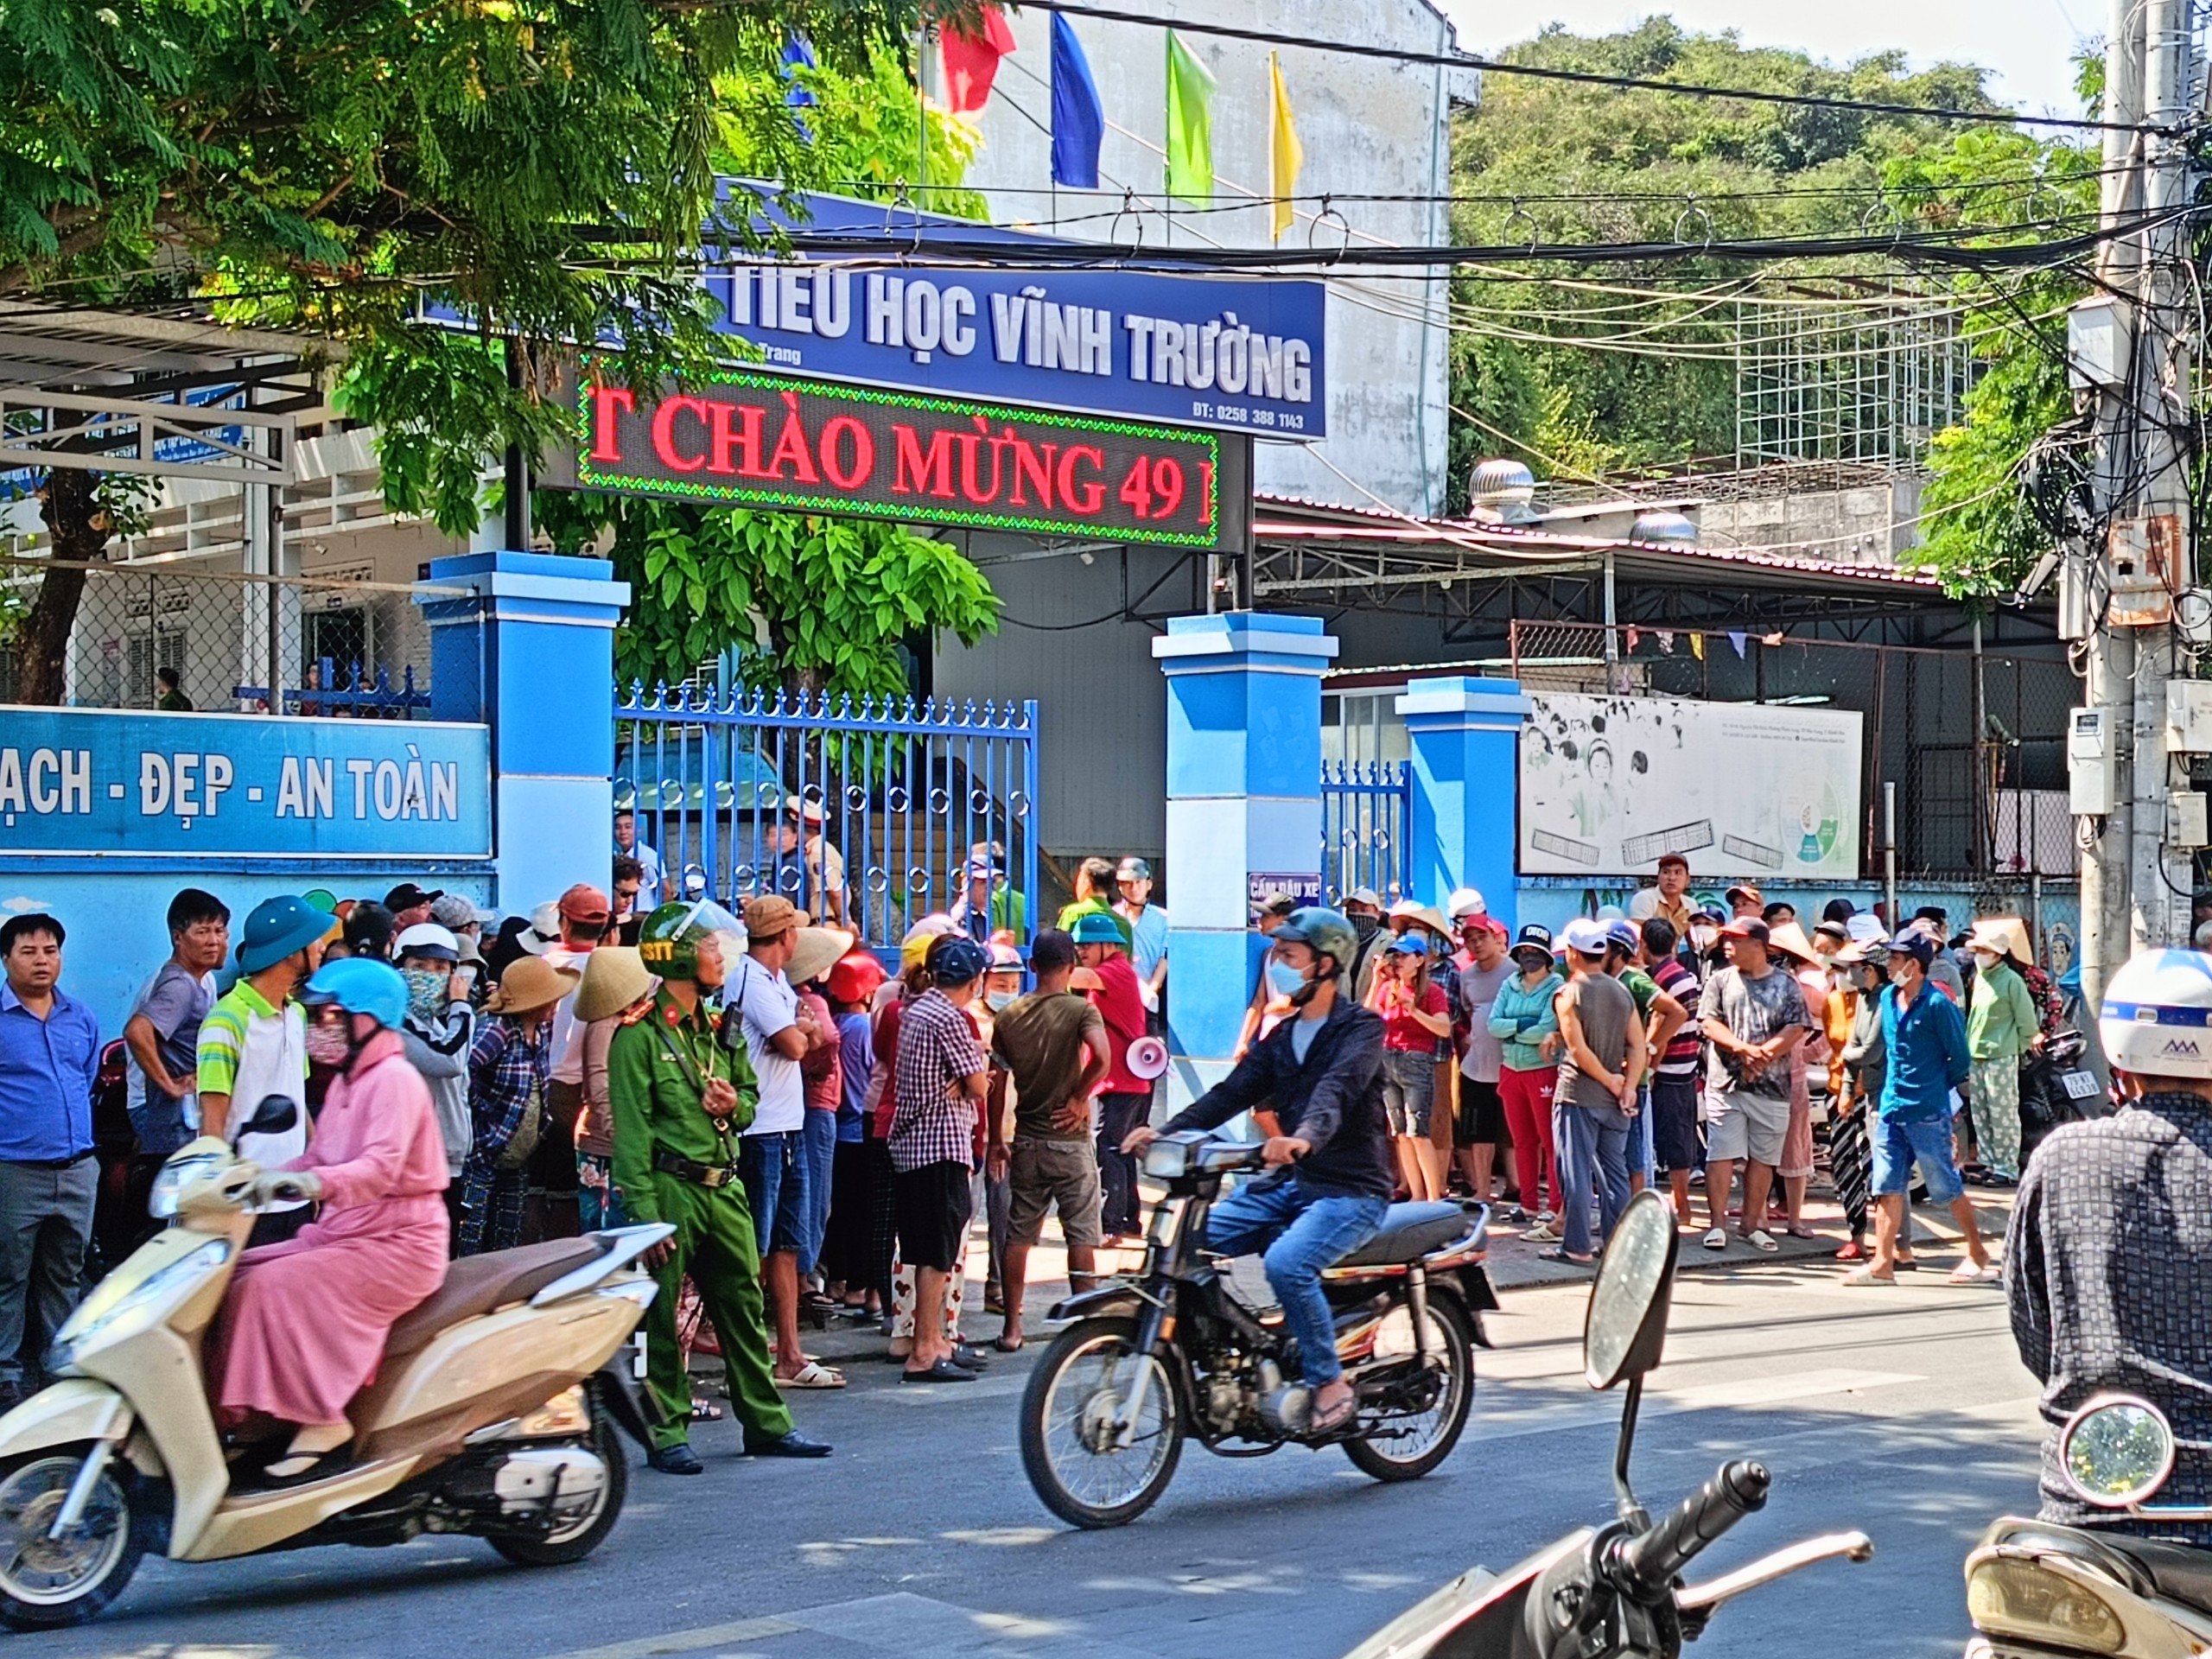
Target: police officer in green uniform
680	1100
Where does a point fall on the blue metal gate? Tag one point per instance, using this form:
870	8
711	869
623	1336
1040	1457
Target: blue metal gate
1366	820
752	792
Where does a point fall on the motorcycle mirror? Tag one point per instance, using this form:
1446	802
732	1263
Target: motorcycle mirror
1626	1326
274	1115
2116	1451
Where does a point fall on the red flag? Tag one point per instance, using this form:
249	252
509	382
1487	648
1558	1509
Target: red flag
971	65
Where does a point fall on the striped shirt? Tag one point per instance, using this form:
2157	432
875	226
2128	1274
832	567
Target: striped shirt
1684	1048
937	1047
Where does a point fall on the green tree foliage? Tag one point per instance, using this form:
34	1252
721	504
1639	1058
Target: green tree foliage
544	165
803	602
1646	165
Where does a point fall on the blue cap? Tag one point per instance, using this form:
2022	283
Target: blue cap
1623	934
360	985
955	959
1097	927
278	927
1407	944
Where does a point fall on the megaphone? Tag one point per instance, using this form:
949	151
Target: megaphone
1147	1058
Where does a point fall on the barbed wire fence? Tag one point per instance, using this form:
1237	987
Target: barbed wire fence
340	645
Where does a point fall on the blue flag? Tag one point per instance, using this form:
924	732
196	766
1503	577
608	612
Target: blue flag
799	53
1079	119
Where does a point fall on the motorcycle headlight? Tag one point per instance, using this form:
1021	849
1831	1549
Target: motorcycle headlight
178	1173
115	1306
1167	1159
2008	1596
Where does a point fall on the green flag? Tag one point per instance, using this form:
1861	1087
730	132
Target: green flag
1189	125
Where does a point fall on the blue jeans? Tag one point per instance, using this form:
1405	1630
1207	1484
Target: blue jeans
1900	1142
1591	1143
1647	1148
773	1165
821	1151
1302	1233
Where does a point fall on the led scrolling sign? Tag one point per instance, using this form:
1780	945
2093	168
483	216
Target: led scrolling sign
774	440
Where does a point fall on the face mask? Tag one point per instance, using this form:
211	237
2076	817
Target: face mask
426	991
1983	959
1000	998
1284	980
330	1044
1365	926
1702	937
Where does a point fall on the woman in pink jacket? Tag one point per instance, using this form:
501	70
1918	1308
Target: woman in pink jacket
303	1327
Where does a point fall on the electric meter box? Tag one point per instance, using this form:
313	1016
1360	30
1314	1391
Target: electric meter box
2185	820
2188	716
2092	763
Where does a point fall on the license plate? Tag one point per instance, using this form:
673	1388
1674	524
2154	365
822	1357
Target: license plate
2079	1085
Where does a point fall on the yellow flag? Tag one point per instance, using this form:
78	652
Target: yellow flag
1697	646
1285	155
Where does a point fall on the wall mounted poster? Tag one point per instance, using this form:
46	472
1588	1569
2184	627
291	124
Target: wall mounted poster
1609	784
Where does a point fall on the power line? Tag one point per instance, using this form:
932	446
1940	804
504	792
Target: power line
1586	77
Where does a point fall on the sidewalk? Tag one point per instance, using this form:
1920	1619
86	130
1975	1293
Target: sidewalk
1514	1265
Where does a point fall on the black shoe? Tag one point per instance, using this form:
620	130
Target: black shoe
793	1445
969	1359
677	1459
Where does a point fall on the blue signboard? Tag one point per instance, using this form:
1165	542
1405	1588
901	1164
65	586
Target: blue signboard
79	780
1241	354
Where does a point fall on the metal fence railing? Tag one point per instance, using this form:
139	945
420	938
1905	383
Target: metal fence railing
147	635
1366	823
870	814
1974	742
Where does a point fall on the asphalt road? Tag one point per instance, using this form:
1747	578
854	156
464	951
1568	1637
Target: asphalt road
1902	1412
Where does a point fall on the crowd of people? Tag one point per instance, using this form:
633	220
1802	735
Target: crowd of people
818	1132
1696	1048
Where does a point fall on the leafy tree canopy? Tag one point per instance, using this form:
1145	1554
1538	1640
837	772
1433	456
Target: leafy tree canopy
1560	162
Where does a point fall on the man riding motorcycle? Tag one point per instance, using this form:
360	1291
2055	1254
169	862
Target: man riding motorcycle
2108	1265
1321	1073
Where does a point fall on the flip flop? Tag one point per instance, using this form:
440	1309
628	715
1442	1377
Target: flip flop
1570	1261
307	1466
705	1411
1005	1345
1336	1417
1966	1274
812	1375
943	1371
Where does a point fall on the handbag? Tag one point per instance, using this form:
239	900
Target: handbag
524	1141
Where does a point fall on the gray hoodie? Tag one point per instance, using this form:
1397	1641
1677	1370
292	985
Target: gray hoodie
438	1048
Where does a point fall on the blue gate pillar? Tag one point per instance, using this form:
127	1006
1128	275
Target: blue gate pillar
530	650
1244	812
1464	734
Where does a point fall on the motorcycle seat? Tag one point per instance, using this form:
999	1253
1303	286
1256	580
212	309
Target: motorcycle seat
1408	1232
476	1284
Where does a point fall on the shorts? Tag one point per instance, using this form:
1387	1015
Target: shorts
933	1205
1409	1090
779	1188
1747	1126
1674	1141
1482	1113
1061	1175
1898	1144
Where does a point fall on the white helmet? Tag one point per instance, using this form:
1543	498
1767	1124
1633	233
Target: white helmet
1464	903
2157	1018
429	941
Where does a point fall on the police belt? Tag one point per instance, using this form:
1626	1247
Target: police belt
708	1175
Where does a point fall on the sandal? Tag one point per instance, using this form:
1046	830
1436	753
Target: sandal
1801	1230
1329	1421
943	1371
1861	1277
1562	1256
303	1468
1853	1251
1717	1239
704	1410
1966	1274
1761	1240
1006	1344
812	1375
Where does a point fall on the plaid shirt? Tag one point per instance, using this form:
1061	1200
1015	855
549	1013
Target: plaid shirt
504	1073
937	1048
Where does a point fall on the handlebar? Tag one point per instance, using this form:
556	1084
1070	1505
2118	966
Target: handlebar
1653	1560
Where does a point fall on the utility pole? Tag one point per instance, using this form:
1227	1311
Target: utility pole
2134	887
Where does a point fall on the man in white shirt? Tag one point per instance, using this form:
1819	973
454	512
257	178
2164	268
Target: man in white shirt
764	1012
582	914
626	845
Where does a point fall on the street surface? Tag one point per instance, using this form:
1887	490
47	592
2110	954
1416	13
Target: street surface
1901	1412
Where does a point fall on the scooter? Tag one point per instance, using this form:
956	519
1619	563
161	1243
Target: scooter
1613	1592
492	1414
2044	1590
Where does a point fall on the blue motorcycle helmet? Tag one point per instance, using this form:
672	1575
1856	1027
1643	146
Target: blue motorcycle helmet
359	985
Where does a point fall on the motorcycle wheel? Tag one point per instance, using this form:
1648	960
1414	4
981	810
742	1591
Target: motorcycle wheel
580	1536
1066	1412
1421	1442
47	1586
